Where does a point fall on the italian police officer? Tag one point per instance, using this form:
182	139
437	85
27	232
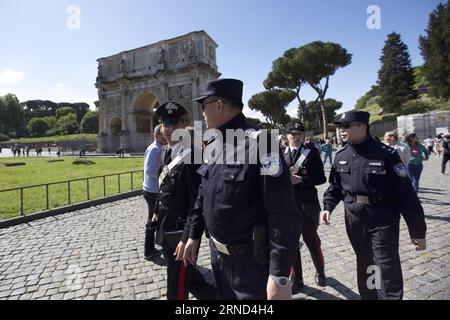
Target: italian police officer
178	184
248	208
307	172
373	183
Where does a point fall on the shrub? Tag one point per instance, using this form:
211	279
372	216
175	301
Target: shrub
3	137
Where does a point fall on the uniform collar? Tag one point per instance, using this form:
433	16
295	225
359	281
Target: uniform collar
363	146
238	122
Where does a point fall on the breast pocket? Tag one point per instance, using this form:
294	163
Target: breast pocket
376	176
233	183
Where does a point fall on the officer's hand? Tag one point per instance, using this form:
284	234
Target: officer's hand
292	170
420	244
275	292
296	179
190	252
155	217
179	251
325	217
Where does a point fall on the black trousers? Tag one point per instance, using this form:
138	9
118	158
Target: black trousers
239	277
311	239
150	226
378	262
445	159
181	279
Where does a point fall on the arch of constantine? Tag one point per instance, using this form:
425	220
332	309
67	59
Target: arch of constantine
133	83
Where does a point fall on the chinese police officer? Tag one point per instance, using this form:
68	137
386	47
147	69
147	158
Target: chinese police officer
178	185
248	208
372	181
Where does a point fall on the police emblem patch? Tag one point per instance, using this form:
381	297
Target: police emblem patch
400	170
271	165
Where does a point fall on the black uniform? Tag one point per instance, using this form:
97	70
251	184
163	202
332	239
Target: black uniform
234	201
178	192
372	181
312	175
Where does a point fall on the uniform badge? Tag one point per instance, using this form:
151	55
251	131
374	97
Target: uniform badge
343	162
271	165
400	170
171	108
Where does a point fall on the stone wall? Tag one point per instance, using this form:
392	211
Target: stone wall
424	125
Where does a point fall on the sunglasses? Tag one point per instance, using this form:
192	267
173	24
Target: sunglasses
346	125
204	104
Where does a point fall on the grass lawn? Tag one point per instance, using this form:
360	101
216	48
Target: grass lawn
53	139
40	171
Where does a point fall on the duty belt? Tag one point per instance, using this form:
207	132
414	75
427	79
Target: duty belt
239	249
364	199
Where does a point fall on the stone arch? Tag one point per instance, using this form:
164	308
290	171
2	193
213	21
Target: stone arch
143	112
115	126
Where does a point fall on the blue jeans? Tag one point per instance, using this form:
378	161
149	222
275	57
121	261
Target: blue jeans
328	155
414	172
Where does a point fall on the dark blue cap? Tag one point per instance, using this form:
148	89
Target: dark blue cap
294	127
354	116
230	89
171	113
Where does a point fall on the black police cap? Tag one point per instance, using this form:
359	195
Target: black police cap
171	112
295	127
224	88
354	116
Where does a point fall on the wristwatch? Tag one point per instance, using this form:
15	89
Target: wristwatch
281	281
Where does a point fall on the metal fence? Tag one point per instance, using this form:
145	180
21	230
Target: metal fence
68	188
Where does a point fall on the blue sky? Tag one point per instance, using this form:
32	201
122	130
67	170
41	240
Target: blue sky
40	58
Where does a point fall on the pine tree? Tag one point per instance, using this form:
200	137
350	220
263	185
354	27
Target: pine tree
435	49
396	76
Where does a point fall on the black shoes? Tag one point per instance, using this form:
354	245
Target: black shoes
297	285
151	254
321	279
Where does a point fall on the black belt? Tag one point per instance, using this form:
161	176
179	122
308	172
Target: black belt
364	199
238	249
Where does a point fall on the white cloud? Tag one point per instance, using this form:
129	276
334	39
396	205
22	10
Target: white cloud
60	85
9	77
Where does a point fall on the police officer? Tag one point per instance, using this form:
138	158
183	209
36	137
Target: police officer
373	183
248	208
178	185
307	171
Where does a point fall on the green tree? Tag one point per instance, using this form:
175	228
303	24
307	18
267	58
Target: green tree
64	111
311	64
37	127
320	60
313	119
89	123
396	76
11	114
435	49
272	104
287	74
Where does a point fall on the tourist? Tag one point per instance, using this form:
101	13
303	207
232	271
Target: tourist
429	143
445	152
418	154
403	150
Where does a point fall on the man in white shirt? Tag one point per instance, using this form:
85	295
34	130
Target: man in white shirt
391	139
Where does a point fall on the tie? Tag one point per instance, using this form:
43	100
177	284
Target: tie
167	158
294	154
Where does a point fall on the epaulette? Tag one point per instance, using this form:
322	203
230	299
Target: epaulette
342	149
389	149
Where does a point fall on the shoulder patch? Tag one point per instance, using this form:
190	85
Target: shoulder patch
271	165
400	170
